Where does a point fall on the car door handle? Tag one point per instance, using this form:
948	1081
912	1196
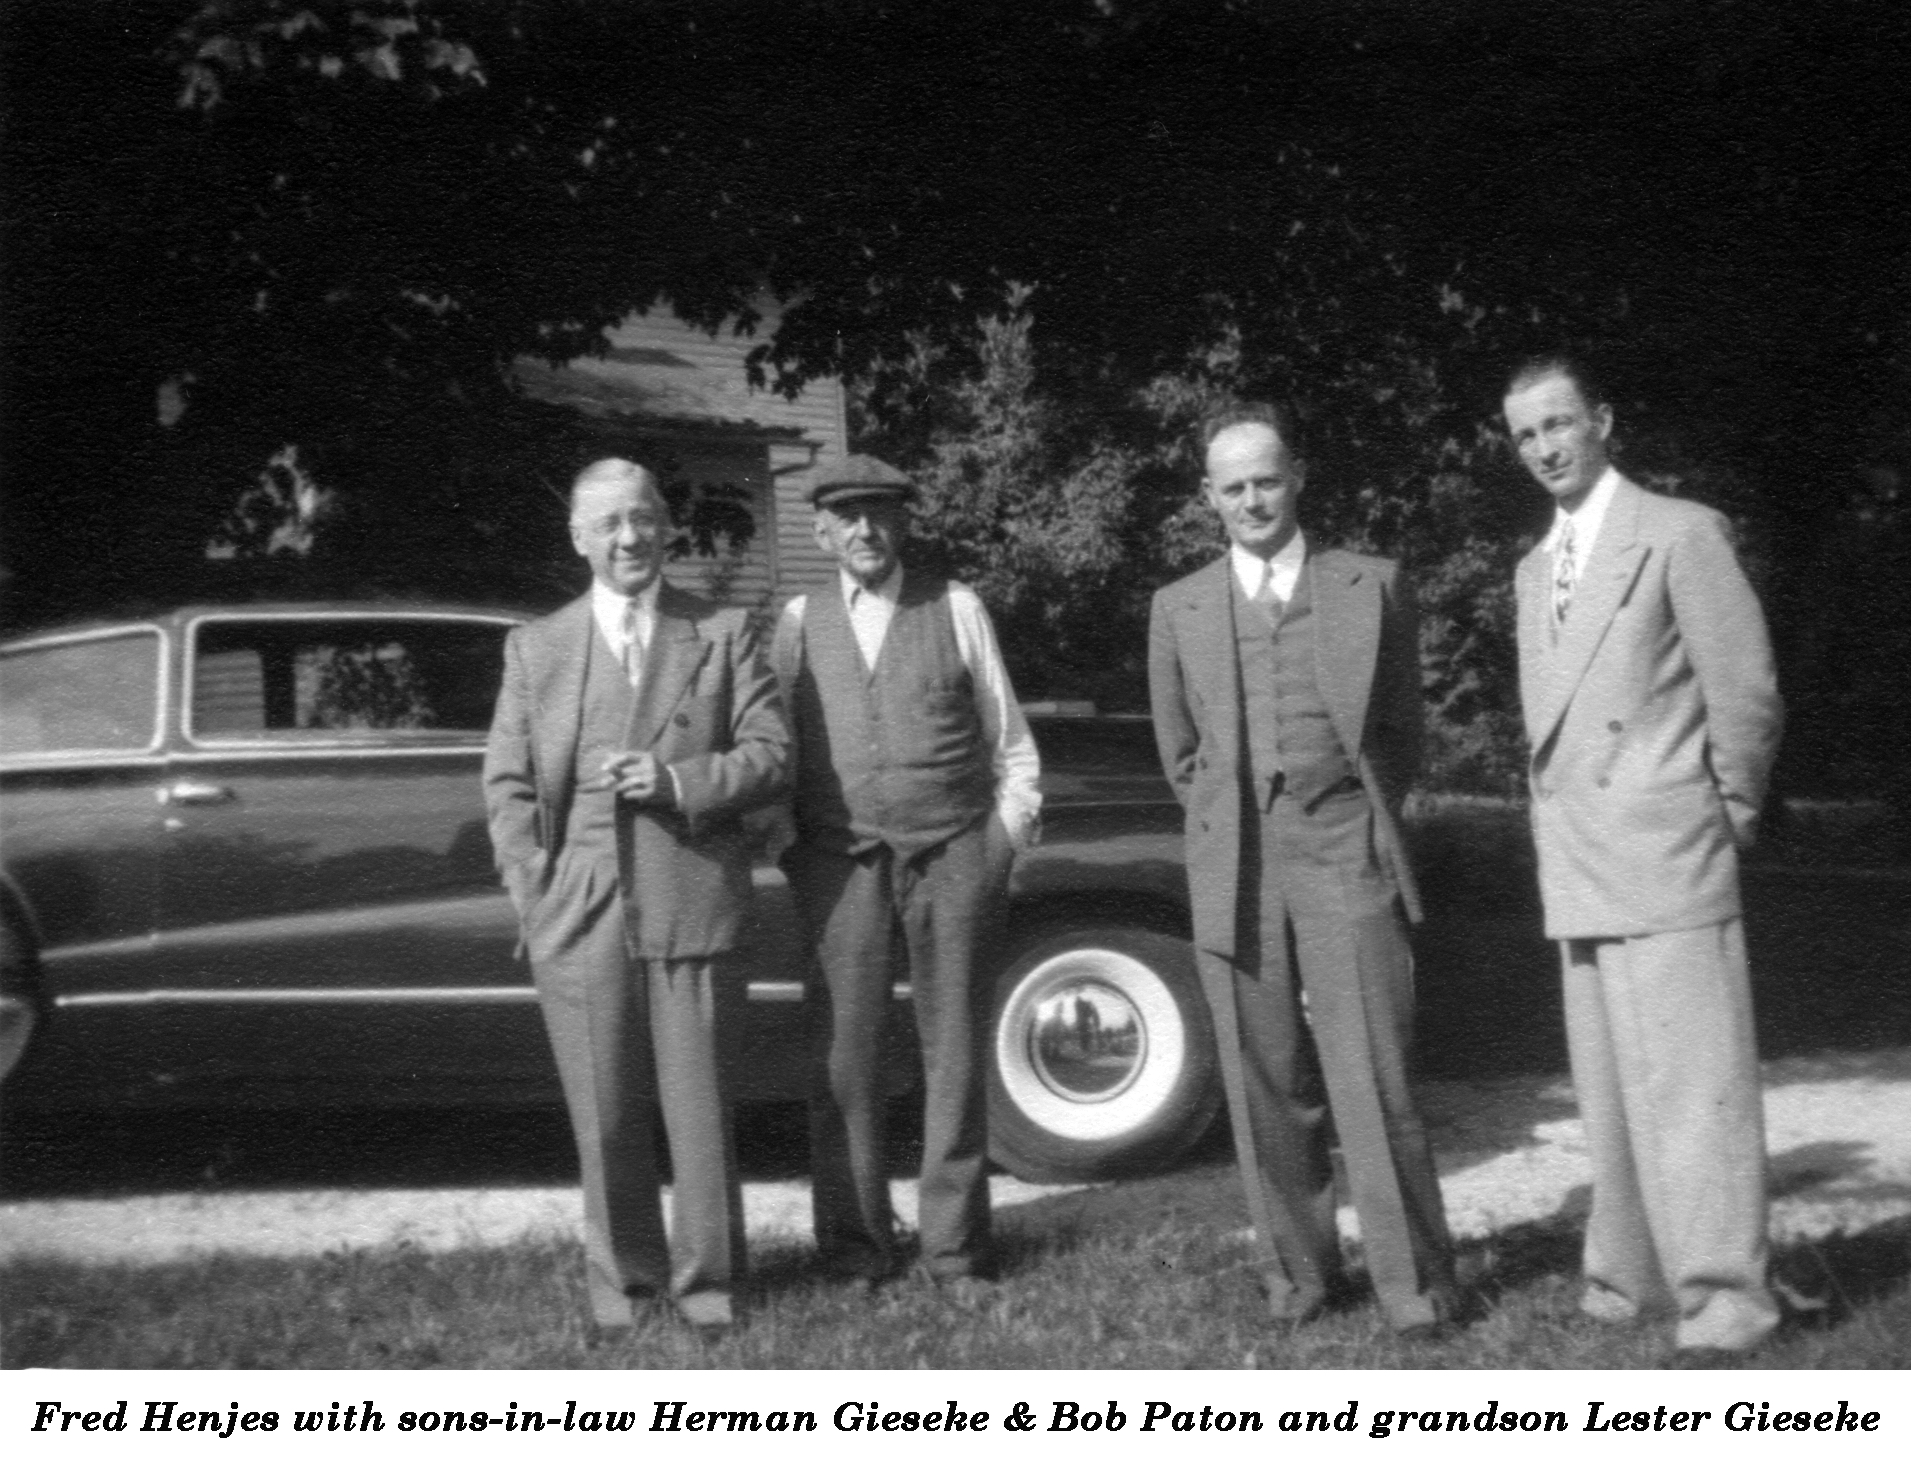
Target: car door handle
186	791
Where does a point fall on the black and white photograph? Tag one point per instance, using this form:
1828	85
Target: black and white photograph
1095	686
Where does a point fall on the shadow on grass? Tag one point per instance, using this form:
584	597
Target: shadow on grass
1849	1271
1155	1274
1823	1282
206	1151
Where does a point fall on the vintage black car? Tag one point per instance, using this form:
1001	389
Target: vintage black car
245	864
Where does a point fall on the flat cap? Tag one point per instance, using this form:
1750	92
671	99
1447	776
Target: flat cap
858	475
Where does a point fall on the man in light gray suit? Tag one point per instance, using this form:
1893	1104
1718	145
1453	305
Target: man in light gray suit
632	729
1652	710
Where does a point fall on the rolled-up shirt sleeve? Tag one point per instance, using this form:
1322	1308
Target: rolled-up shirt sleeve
1016	764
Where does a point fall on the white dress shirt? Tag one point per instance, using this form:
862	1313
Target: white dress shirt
608	606
1586	520
1283	568
1013	760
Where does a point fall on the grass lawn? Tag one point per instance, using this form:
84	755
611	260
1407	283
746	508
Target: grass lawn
1151	1274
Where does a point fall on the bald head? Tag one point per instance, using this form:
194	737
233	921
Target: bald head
618	473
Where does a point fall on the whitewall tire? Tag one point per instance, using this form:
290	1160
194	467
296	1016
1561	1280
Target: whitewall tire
1102	1056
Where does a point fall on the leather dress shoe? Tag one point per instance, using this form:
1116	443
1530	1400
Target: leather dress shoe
707	1313
1294	1306
608	1334
1297	1307
964	1286
1453	1308
866	1274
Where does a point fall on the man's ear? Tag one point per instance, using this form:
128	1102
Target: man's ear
820	532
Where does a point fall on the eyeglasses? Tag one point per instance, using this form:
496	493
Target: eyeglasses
611	526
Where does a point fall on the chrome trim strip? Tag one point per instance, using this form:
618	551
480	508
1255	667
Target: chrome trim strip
764	991
1052	806
191	654
362	612
63	762
238	751
306	995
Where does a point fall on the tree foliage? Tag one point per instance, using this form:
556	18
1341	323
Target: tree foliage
1019	498
1067	521
236	226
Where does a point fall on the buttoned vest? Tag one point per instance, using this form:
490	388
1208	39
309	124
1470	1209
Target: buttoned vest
603	729
1289	732
890	754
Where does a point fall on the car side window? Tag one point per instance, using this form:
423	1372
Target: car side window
87	694
325	679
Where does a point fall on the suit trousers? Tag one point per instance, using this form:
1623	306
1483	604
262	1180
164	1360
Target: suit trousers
1321	925
632	1037
1665	1063
871	920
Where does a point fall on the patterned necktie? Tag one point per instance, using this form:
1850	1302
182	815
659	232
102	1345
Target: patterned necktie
1270	603
1565	575
633	644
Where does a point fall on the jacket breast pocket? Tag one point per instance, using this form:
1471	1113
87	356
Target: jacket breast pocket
709	690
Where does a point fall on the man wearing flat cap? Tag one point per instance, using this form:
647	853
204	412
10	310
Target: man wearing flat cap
915	787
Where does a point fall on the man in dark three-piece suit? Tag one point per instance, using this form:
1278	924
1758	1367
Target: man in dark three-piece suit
1286	692
1653	716
633	727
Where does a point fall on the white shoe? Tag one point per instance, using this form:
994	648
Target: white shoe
1603	1304
1731	1321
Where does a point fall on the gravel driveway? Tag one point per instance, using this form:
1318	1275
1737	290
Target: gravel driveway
1510	1150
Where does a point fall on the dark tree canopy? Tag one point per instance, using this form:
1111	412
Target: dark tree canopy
334	224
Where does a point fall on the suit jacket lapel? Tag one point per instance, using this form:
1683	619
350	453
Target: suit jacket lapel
1614	565
675	653
560	690
1533	601
1209	608
1347	607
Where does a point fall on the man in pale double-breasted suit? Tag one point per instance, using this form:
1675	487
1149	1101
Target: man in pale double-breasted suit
1652	710
1285	685
633	728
